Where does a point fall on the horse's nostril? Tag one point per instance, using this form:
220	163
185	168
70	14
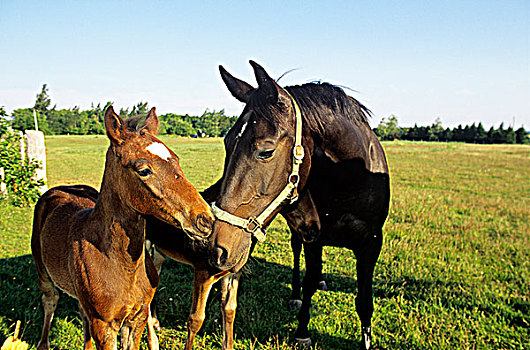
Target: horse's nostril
204	224
222	256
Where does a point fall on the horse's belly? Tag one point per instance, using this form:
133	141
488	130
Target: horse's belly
352	203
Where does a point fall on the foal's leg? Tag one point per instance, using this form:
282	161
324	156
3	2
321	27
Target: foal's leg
50	296
104	334
230	284
295	301
134	329
366	260
125	336
202	283
313	260
87	337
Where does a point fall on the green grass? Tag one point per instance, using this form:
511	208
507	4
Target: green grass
454	271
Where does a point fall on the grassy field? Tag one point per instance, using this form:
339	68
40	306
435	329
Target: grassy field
454	272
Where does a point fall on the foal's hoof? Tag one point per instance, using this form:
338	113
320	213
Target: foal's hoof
295	304
304	343
322	286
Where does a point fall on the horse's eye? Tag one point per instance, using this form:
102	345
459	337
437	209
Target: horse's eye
266	154
144	172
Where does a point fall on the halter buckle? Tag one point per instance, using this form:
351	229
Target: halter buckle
298	153
252	225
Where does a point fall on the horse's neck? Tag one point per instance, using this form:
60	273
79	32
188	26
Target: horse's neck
122	229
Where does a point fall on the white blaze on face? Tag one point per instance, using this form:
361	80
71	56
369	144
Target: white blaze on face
159	149
242	130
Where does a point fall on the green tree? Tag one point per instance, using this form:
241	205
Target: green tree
23	120
137	109
481	135
43	100
510	135
435	130
521	136
446	135
4	124
389	129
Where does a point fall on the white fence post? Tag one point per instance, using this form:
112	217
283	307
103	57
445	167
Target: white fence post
3	187
36	150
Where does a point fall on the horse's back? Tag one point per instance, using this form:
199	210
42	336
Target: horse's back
54	214
63	201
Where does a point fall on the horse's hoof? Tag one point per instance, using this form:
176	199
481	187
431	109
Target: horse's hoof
295	304
304	343
366	341
322	286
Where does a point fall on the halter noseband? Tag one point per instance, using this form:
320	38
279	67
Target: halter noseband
254	225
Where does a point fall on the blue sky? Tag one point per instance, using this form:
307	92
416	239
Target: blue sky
460	61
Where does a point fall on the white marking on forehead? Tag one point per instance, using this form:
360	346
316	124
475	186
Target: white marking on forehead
242	130
159	149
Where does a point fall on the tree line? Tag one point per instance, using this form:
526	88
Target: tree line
388	129
73	121
53	121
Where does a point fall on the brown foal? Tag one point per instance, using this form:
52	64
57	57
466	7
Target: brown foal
92	246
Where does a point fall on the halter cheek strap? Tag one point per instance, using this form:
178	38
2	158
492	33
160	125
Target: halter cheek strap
254	225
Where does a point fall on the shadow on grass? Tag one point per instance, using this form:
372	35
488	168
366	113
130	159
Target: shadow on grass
262	314
20	299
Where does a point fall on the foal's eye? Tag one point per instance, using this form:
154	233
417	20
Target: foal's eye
144	172
266	154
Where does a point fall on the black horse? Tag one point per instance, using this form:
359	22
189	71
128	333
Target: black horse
329	179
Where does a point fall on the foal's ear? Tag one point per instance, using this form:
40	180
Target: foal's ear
238	88
114	126
151	122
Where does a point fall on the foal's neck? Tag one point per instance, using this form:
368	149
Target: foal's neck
122	228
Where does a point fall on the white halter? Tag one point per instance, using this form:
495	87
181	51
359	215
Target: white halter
254	225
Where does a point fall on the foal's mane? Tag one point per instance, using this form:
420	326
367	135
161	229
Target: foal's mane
134	123
322	103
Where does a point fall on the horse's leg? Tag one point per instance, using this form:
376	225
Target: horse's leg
295	301
87	337
50	297
313	261
152	339
366	260
229	287
202	283
304	223
158	259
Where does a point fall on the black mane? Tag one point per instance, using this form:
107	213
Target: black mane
321	103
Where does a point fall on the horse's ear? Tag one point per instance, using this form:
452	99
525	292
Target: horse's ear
266	84
238	88
114	126
151	122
